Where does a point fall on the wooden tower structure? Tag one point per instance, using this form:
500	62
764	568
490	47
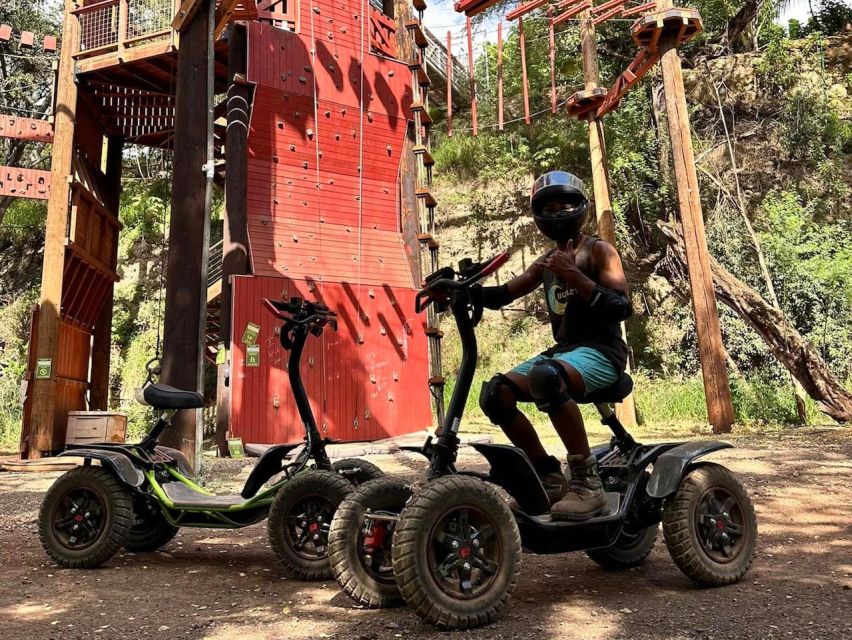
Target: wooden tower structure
314	119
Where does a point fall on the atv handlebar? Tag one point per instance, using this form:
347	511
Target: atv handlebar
447	279
313	316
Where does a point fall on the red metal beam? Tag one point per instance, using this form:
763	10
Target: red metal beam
500	75
606	6
606	16
449	83
632	11
524	9
471	78
24	183
524	81
28	129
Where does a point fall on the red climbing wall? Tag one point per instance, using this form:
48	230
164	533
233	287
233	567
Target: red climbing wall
320	227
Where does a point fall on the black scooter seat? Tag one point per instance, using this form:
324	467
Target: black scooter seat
616	392
163	396
186	497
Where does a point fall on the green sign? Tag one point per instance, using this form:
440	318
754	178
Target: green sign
221	354
44	367
253	355
235	448
250	334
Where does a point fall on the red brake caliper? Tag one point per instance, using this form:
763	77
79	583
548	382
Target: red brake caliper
375	538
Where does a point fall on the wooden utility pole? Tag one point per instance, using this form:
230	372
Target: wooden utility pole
720	410
189	226
626	410
43	418
235	243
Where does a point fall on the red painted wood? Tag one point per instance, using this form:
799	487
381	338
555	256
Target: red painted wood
49	44
29	129
27	39
5	33
500	76
24	183
525	8
324	228
524	83
364	381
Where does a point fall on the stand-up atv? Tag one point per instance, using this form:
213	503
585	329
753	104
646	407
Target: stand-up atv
139	495
450	545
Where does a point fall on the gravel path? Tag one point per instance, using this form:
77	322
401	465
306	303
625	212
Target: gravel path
225	584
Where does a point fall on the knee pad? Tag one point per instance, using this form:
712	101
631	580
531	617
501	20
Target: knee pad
493	403
546	380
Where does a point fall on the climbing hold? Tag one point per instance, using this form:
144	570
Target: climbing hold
316	9
328	114
292	147
309	133
337	136
370	116
305	164
330	35
298	114
295	238
274	158
280	125
308	68
390	149
302	79
391	73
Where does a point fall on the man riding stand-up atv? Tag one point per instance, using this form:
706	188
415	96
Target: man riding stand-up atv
586	295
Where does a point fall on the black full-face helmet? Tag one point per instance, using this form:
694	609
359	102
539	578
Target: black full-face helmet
560	223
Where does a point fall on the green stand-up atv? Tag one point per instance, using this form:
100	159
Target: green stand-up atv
138	496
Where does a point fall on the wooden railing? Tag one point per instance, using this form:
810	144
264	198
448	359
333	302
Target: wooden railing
115	25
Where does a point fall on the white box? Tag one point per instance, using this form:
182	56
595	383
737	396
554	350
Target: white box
89	427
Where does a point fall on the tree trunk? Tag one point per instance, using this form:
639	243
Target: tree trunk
785	342
741	21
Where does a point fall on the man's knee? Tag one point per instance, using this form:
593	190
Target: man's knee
548	385
498	400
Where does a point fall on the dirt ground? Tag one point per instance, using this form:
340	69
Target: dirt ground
225	584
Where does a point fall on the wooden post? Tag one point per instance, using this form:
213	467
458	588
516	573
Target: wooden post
626	410
189	226
235	242
123	11
449	83
43	418
552	60
711	353
524	83
500	76
102	335
471	79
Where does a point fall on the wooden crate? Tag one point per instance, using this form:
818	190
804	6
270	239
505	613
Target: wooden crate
89	427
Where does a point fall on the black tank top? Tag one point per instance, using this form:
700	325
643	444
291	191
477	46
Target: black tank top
574	324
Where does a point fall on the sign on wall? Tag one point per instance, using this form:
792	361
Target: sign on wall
24	183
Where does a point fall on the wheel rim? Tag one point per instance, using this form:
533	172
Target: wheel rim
79	518
374	545
465	552
306	527
720	525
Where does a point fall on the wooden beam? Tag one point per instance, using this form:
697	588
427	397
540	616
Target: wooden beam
550	28
185	13
626	410
44	427
449	83
235	241
500	125
471	77
711	353
524	81
186	304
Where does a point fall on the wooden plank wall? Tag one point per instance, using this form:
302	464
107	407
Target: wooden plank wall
366	381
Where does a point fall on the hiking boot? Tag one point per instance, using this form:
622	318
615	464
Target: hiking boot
585	497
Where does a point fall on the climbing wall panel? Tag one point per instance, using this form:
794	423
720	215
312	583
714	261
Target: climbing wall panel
325	146
366	381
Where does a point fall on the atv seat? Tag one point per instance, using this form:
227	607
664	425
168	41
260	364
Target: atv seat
616	392
163	396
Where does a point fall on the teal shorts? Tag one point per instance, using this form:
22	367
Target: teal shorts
594	367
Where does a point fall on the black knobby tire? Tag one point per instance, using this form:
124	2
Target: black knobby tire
697	547
102	511
302	509
150	530
421	548
357	471
633	546
369	581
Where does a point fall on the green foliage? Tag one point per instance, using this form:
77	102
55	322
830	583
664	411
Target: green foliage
810	129
14	330
832	16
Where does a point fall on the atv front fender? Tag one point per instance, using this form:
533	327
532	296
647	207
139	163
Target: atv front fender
117	462
671	466
512	470
270	463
